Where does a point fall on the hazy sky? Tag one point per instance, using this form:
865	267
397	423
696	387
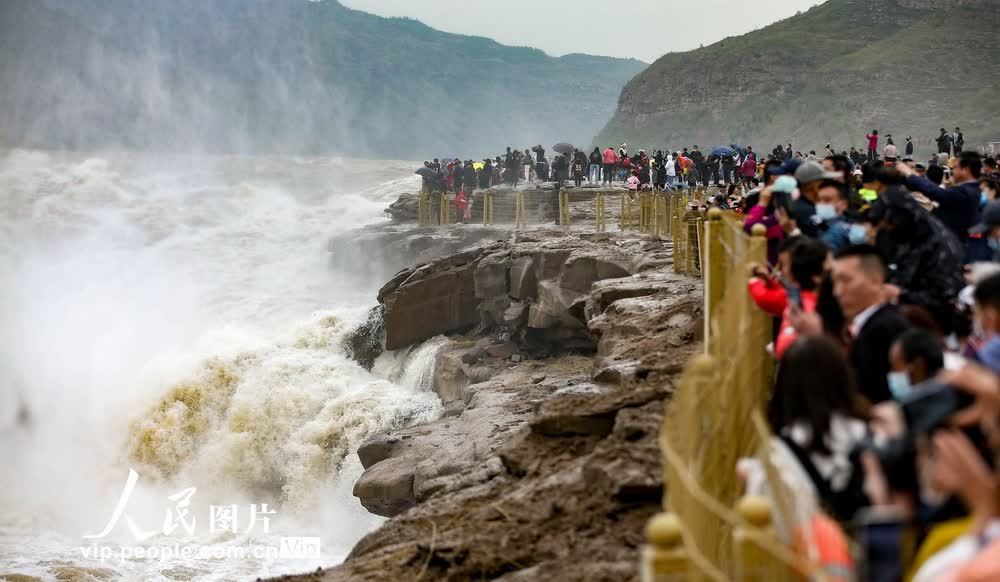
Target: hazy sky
649	29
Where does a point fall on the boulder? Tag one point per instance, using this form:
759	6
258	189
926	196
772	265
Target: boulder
386	488
405	208
430	302
516	315
449	374
376	449
453	409
502	351
364	343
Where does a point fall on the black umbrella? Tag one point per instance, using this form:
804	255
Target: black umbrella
564	148
425	172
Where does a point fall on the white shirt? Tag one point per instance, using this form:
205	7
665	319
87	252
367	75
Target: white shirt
859	321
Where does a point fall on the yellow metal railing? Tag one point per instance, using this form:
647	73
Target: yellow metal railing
651	213
707	530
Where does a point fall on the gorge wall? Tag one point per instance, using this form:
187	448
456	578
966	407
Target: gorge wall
828	75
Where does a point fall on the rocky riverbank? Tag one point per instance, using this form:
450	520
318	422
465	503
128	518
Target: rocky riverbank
564	348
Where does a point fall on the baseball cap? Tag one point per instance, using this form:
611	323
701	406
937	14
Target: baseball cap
812	171
989	218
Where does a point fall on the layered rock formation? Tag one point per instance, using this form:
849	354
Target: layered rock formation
546	462
534	286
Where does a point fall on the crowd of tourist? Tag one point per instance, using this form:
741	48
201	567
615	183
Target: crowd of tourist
883	280
659	169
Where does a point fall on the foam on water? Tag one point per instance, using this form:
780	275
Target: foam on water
178	315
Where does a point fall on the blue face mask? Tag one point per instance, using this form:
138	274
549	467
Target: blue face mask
993	243
858	234
983	199
826	212
899	384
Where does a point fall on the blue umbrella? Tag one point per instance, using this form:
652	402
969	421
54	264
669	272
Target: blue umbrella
722	151
738	148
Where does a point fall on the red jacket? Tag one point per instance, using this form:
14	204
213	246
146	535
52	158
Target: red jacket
771	298
610	157
872	142
461	201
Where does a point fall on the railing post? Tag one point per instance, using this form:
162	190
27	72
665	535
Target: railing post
760	331
444	210
713	269
657	231
599	212
487	208
630	206
663	558
643	212
563	209
670	213
680	261
752	563
652	213
519	218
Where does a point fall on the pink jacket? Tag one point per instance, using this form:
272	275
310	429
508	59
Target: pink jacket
633	182
610	157
872	142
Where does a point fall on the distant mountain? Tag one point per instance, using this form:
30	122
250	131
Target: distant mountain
283	76
906	67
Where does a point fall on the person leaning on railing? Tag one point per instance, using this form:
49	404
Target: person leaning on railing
801	262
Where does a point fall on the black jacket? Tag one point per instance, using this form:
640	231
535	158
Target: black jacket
804	214
870	352
470	178
596	158
944	143
927	257
958	206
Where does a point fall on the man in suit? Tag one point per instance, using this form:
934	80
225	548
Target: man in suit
859	277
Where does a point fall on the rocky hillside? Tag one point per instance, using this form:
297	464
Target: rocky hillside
289	76
906	67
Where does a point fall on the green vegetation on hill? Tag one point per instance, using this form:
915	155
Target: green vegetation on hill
292	76
830	74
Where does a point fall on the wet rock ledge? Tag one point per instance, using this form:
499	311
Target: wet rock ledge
564	348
